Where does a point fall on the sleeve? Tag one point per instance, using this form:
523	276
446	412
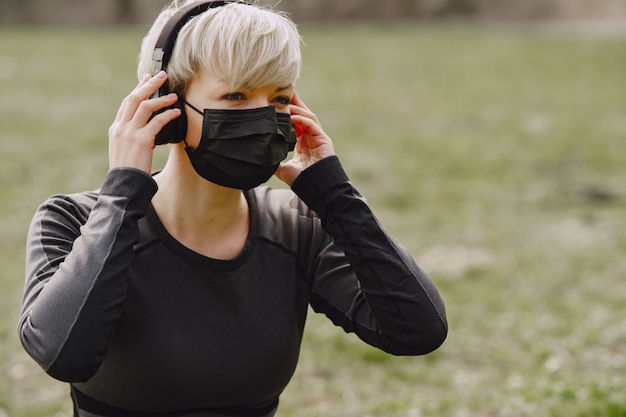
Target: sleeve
76	263
364	281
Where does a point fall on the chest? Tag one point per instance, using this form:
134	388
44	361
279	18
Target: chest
202	337
257	302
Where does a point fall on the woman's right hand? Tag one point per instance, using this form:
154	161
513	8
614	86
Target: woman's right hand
132	134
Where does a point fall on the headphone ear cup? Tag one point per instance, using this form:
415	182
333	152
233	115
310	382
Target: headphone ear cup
174	131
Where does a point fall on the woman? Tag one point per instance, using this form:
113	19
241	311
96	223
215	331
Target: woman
185	293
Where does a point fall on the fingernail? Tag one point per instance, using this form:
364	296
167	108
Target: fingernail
161	74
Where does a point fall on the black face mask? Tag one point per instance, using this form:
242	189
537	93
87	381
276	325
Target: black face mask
241	148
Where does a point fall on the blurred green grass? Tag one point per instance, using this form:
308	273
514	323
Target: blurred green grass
492	153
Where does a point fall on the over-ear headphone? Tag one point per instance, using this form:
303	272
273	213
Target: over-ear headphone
175	130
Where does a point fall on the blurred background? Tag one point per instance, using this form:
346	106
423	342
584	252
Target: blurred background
488	136
141	11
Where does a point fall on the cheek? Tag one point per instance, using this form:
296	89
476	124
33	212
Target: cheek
194	130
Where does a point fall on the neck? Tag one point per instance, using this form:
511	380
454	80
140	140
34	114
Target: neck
201	215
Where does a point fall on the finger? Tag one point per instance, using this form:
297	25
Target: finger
149	107
160	120
300	111
299	130
142	92
308	124
149	81
298	107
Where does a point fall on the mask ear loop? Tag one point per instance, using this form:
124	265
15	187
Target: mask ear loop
197	110
200	112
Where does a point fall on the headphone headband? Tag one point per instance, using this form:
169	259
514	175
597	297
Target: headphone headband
164	45
175	130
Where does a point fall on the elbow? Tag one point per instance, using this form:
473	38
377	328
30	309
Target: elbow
58	362
65	371
433	340
416	343
71	371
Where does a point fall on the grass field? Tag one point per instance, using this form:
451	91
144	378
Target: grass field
495	155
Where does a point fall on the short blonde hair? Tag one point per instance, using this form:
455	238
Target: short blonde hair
244	44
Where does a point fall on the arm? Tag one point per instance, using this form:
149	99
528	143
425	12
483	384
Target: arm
77	255
381	295
76	263
364	281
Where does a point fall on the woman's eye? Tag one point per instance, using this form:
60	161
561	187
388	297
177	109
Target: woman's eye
283	100
234	96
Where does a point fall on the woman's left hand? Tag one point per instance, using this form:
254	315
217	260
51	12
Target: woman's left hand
313	144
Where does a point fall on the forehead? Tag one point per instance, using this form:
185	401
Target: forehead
229	83
205	80
248	85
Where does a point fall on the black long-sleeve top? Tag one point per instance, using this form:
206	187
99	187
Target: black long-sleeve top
136	321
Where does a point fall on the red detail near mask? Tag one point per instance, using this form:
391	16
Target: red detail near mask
299	130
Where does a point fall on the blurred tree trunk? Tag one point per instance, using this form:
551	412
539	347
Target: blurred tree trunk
458	8
125	11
